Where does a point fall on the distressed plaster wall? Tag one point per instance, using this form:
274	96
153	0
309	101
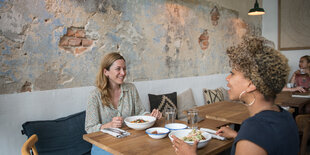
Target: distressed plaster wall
160	39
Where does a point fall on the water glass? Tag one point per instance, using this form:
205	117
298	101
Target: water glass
192	118
170	114
290	85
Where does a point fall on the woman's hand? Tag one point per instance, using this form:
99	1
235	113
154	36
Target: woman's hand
300	89
115	123
227	132
180	147
156	113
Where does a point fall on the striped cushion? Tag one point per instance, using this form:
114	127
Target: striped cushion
212	96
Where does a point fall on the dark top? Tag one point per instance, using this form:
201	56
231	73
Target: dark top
276	132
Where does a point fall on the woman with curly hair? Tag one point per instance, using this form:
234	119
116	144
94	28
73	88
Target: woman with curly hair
258	74
112	99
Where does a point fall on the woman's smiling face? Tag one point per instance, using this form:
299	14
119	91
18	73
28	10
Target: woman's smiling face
117	72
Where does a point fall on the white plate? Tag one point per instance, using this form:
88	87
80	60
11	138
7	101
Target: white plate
175	126
182	133
140	126
162	132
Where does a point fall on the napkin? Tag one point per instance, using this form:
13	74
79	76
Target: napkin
116	132
212	133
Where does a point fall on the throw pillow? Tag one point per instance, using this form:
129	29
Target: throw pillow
185	102
60	136
225	94
212	96
163	101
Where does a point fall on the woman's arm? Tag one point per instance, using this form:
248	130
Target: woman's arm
92	123
227	132
92	120
300	89
245	147
182	148
139	109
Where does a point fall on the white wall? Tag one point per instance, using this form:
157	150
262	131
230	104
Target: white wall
179	85
270	31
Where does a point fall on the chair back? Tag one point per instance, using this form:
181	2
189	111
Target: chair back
303	123
30	145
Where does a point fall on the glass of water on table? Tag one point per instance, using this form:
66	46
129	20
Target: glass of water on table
170	115
192	118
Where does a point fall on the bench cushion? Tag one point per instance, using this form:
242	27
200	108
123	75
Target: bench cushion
186	101
212	96
60	136
163	101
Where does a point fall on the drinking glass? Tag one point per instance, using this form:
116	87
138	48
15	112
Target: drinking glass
192	118
170	114
290	85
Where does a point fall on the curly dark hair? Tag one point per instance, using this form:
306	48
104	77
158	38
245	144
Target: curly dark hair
266	67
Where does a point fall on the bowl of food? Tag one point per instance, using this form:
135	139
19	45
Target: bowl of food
157	132
140	122
175	126
190	135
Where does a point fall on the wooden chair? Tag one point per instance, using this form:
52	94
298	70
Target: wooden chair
29	145
303	123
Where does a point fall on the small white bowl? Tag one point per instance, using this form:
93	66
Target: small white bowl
161	132
140	126
182	133
175	126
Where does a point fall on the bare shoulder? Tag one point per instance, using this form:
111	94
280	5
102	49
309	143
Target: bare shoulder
245	147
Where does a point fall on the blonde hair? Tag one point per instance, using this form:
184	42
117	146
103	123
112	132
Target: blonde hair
102	82
266	67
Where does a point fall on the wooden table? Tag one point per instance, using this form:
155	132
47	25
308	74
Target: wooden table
140	143
230	112
285	99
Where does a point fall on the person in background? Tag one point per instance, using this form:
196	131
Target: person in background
112	99
301	77
259	73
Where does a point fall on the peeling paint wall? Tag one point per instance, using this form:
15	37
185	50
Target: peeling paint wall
42	48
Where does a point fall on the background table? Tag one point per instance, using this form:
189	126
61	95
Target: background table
226	111
285	99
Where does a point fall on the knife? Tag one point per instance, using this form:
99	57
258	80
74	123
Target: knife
212	132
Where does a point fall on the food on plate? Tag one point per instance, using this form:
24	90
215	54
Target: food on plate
194	135
139	121
156	132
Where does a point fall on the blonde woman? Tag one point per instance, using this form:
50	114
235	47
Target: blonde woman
258	74
112	100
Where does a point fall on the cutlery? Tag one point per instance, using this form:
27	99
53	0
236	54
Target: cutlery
212	132
123	133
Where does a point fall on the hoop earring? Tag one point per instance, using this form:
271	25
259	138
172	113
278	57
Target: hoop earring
241	94
249	103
